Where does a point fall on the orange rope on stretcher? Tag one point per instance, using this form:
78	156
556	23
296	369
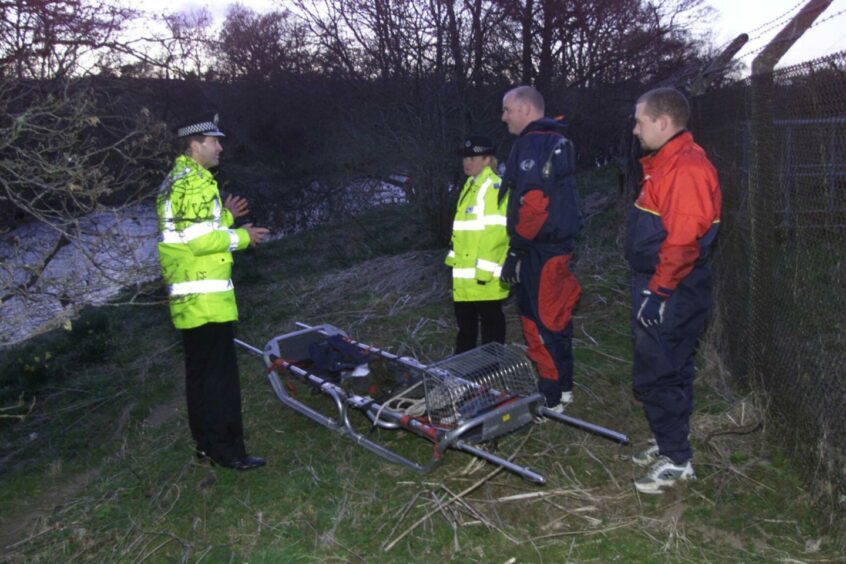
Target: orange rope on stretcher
283	364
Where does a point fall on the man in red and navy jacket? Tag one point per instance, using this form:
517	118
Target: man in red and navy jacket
542	220
670	233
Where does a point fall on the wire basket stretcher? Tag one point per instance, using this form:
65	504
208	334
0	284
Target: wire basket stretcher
469	398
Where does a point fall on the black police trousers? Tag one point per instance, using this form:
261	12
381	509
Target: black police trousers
213	391
470	315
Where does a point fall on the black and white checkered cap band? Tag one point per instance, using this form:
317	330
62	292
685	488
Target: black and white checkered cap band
204	128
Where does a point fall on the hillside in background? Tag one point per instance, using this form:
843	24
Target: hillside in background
101	468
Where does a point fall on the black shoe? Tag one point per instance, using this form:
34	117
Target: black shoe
247	462
200	454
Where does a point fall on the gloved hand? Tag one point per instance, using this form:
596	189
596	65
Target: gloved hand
511	267
651	312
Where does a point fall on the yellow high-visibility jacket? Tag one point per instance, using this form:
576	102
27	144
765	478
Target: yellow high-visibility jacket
479	241
195	246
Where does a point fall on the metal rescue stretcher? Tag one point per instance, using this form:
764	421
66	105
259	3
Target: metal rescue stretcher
466	399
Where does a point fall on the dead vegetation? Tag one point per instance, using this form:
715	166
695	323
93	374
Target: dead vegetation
322	497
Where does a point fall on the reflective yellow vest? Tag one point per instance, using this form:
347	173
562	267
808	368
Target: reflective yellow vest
195	246
479	241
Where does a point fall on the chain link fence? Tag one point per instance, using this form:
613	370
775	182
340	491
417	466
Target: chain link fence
779	144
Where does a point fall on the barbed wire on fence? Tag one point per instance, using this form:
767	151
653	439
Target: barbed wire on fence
769	25
757	50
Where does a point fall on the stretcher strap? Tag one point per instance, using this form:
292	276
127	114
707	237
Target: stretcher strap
281	363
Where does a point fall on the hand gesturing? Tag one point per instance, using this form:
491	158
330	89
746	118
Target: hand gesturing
237	205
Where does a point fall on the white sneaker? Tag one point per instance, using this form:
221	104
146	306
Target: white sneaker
566	399
664	474
648	456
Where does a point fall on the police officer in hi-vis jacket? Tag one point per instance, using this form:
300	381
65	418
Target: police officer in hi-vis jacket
478	246
195	247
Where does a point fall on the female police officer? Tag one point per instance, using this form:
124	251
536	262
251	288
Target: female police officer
478	247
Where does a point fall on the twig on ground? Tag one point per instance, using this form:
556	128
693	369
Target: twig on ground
403	511
472	511
170	538
742	475
472	487
31	537
173	504
604	467
20	404
439	505
587	533
417	523
592	340
473	466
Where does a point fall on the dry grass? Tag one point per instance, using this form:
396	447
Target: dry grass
322	498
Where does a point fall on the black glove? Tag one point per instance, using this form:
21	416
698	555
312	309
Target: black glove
511	267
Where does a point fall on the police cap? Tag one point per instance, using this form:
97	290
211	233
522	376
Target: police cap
204	124
476	146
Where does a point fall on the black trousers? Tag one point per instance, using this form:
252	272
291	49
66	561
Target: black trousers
213	391
470	315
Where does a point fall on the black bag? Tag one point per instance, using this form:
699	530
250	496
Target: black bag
335	355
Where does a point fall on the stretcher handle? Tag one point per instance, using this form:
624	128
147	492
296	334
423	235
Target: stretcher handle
521	471
584	425
249	347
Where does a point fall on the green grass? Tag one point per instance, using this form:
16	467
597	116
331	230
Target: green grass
103	469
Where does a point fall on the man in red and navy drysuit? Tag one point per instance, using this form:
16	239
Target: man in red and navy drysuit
670	233
542	220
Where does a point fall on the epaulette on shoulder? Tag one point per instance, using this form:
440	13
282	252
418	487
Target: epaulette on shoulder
172	178
181	174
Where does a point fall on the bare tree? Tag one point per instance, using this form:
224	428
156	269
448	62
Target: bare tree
187	43
51	38
262	47
336	50
384	39
59	157
73	150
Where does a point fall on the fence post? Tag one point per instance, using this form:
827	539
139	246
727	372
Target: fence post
763	190
717	67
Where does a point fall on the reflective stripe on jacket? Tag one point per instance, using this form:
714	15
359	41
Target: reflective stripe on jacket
479	241
674	221
195	245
